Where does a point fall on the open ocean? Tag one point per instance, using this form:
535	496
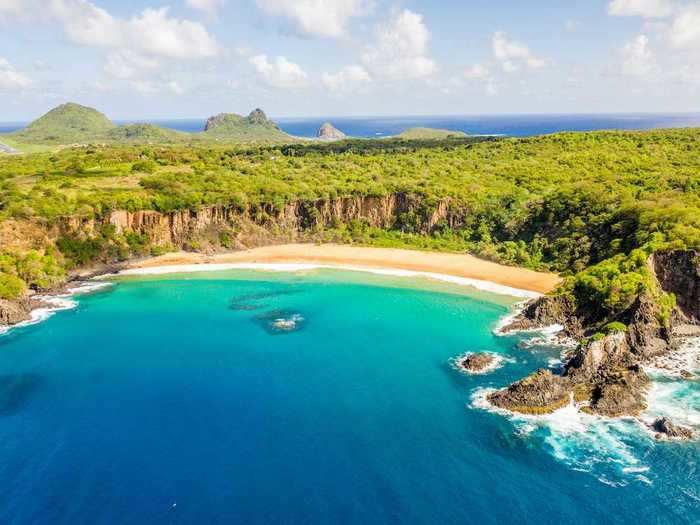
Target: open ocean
322	397
509	125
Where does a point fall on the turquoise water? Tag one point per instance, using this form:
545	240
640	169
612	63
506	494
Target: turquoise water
184	399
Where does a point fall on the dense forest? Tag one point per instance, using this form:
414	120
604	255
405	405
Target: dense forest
591	206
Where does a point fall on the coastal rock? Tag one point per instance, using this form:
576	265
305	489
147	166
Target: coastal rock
620	393
476	363
647	336
540	393
589	359
664	426
328	132
547	311
13	312
678	272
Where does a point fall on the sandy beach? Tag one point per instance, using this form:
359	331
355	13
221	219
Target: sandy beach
457	265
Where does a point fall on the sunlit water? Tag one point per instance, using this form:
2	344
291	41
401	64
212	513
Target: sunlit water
317	397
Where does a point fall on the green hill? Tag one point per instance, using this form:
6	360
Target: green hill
256	127
145	133
66	124
430	133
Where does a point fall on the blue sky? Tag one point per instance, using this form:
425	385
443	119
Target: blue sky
193	58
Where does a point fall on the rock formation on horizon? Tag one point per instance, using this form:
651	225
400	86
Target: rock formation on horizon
329	132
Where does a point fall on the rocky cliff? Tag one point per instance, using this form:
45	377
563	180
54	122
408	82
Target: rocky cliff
605	373
291	219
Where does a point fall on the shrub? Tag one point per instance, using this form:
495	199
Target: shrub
11	287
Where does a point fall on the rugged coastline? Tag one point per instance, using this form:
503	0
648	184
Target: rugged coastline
607	374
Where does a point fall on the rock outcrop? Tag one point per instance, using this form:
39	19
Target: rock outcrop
540	393
330	133
664	427
678	272
13	312
476	363
547	311
605	373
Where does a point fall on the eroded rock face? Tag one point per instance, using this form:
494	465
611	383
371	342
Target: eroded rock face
647	336
620	393
547	311
329	132
476	362
539	393
678	272
13	312
665	427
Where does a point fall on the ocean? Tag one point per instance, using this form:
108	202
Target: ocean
508	125
321	396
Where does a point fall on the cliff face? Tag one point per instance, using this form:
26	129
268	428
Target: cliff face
178	227
678	272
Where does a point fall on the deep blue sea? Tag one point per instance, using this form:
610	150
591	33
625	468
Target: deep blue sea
323	397
509	125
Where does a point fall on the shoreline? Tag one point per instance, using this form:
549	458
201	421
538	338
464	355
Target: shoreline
459	269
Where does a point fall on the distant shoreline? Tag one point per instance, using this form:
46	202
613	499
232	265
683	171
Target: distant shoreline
458	268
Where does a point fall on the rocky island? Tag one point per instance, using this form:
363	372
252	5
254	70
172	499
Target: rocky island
330	133
476	363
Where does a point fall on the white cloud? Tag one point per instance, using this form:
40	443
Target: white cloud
512	54
348	80
482	74
153	31
637	58
175	87
401	50
128	64
210	6
643	8
144	87
685	30
324	18
477	72
281	73
13	7
10	78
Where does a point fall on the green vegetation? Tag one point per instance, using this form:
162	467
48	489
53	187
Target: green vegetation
145	133
11	286
75	124
430	134
592	206
614	327
256	127
66	124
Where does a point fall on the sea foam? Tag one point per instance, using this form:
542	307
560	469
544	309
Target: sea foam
584	442
57	303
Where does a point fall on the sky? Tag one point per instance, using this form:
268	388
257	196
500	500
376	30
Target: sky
149	59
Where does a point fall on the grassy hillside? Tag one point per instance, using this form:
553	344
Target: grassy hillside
256	127
589	205
71	123
145	133
430	134
66	124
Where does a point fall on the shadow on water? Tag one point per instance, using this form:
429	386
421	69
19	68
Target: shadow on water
279	322
16	390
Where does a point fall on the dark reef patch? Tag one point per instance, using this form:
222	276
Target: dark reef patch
256	301
16	390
